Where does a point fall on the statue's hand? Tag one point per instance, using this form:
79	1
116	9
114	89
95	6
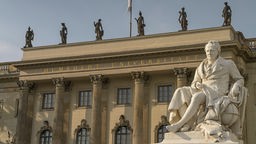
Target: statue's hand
199	85
235	90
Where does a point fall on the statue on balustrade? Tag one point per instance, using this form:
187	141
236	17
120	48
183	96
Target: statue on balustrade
215	101
226	14
183	19
98	30
63	34
29	37
140	24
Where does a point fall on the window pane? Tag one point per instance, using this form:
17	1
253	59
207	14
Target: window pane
82	136
160	133
84	99
123	136
123	96
48	101
164	93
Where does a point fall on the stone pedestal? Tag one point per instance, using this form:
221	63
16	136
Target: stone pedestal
197	137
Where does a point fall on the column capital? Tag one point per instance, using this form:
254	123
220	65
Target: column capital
181	72
139	76
24	84
99	78
61	82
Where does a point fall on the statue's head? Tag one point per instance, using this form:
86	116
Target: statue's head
63	24
99	20
226	3
182	8
140	13
212	50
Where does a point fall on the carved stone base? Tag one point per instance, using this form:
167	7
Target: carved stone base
197	137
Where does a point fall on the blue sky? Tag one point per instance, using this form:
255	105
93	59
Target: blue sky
45	18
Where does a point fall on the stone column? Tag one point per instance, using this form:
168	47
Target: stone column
25	114
139	80
182	76
95	136
58	127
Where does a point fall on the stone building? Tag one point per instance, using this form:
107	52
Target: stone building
111	91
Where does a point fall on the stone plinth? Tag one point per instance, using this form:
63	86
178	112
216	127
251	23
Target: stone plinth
197	137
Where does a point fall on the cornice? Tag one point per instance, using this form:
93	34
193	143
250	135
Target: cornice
130	38
119	55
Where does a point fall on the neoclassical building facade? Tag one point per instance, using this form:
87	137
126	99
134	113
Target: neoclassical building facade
111	91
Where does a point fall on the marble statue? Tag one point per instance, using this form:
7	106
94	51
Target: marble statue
63	33
29	37
183	19
98	30
214	103
226	14
140	24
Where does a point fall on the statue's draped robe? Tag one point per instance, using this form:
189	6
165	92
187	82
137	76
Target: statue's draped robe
216	80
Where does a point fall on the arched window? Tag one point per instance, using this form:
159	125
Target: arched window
45	133
82	133
46	137
160	133
82	136
123	135
160	129
122	131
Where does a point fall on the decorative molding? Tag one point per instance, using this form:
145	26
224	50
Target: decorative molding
83	124
122	122
24	84
45	126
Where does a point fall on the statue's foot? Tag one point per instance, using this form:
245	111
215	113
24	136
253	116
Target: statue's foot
173	128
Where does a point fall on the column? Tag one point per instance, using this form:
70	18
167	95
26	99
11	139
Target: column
25	114
139	80
95	135
58	123
182	76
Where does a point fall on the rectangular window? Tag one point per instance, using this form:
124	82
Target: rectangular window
85	98
164	93
48	101
124	96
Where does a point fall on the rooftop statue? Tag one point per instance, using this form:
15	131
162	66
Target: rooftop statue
226	14
63	34
98	30
215	101
183	19
140	24
29	37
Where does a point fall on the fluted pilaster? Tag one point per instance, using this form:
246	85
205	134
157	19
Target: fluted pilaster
139	80
25	113
58	133
95	136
